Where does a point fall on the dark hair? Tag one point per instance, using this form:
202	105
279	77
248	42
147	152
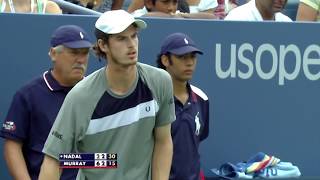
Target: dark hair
104	37
183	6
159	62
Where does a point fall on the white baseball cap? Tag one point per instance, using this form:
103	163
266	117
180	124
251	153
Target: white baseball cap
116	21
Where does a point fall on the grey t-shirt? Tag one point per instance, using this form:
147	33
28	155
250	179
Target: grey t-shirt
92	119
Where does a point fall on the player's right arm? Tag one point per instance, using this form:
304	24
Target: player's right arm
50	169
15	160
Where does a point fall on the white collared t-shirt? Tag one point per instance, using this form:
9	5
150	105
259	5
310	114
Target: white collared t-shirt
249	12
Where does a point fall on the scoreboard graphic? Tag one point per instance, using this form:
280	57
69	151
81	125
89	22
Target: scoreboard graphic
88	160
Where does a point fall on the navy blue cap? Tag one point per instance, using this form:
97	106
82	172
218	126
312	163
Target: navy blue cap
179	44
71	36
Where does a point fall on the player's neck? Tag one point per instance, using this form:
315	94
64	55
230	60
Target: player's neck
120	80
180	91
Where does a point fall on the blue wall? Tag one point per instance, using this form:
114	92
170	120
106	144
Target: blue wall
266	103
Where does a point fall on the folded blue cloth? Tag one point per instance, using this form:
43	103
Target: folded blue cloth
227	170
280	170
230	171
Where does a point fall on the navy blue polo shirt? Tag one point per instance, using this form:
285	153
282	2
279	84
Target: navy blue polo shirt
30	117
188	130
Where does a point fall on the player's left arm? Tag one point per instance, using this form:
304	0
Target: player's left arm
162	153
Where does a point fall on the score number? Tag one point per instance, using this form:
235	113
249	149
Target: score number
105	164
105	156
105	160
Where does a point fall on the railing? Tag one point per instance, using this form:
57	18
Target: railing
75	9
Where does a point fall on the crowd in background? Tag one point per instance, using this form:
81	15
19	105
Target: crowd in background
304	10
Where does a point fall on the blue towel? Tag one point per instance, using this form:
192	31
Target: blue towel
280	170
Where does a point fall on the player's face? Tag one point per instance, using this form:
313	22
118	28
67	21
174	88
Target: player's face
165	6
182	67
70	65
122	48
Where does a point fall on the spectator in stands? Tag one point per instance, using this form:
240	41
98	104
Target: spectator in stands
35	106
259	10
168	8
178	57
138	9
308	10
195	6
32	6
